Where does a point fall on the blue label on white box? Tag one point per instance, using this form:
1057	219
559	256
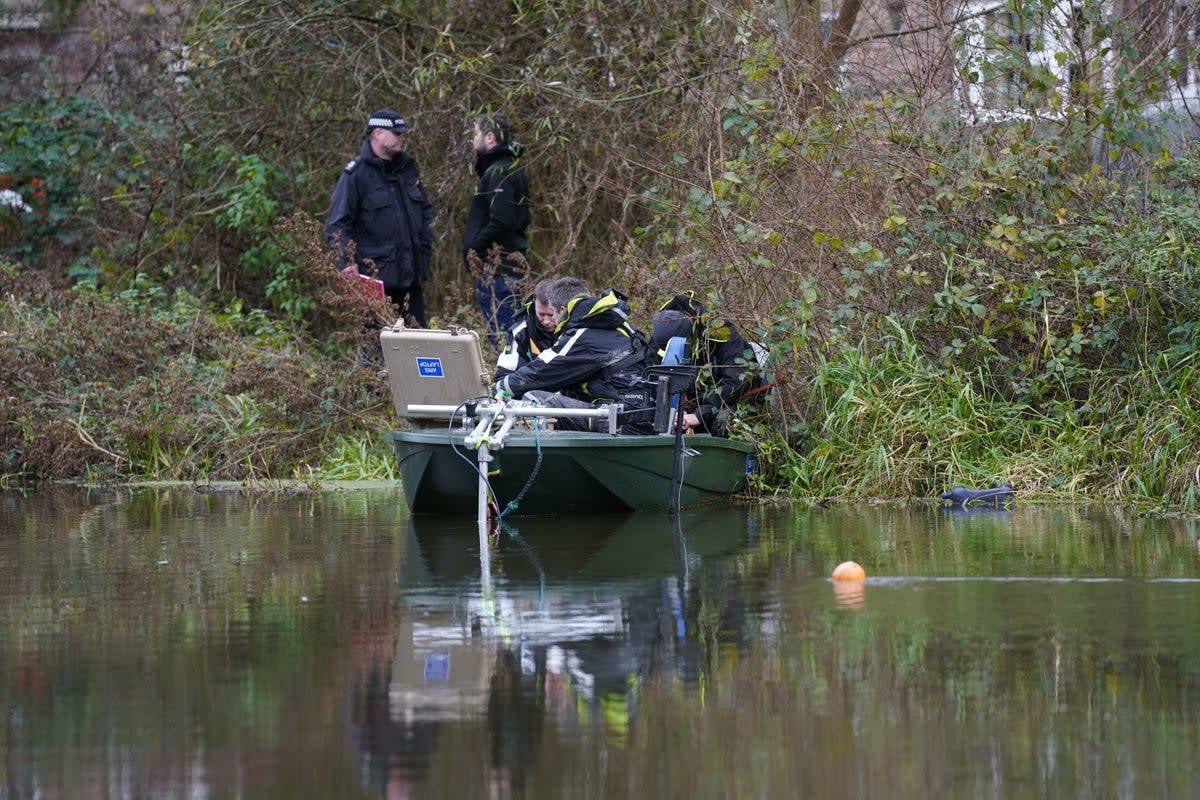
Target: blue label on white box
437	666
430	367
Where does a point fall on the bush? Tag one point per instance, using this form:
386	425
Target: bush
149	384
61	155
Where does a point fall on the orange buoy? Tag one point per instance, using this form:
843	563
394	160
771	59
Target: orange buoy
849	571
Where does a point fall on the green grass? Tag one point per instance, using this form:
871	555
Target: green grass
352	458
886	421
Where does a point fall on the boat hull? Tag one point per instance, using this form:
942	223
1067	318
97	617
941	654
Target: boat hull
580	473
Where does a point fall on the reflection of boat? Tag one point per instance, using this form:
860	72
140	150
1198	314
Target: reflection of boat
563	634
591	607
637	547
432	374
446	655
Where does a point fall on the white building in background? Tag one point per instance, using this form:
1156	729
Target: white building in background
982	55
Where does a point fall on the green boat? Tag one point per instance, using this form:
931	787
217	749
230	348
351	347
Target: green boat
579	472
464	451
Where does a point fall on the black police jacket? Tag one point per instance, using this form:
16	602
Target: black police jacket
381	207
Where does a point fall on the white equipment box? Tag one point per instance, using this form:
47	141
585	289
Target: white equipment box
427	367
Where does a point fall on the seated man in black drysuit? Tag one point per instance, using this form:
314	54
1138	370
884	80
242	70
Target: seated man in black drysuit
534	330
597	358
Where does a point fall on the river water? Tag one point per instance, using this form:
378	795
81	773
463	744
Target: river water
175	643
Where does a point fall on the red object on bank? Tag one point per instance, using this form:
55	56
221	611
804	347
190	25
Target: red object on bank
366	286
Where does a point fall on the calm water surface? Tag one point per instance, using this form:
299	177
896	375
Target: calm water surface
179	644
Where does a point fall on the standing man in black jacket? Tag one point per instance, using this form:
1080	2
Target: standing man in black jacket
380	220
495	243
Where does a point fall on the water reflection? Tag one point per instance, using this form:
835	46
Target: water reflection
176	643
850	594
173	643
574	622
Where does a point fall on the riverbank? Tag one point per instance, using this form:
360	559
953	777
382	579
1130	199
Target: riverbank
143	385
886	421
147	384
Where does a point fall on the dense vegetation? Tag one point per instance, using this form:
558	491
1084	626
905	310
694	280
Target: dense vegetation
948	298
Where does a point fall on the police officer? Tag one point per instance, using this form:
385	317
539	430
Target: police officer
380	220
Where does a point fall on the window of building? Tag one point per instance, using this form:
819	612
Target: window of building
1015	54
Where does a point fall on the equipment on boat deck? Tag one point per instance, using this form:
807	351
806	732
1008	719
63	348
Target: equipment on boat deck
432	368
440	388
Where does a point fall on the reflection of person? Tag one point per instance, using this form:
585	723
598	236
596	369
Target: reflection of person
597	358
713	343
514	725
534	330
496	221
380	220
395	751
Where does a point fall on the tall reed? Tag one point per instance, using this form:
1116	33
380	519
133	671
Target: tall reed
887	421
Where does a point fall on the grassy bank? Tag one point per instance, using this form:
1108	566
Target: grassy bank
150	384
887	421
143	385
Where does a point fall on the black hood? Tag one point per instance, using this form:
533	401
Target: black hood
667	325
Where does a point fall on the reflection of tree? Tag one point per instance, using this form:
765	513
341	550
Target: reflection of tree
175	634
940	687
514	723
1029	540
